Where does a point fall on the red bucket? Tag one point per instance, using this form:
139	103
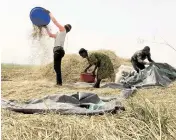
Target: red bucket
87	77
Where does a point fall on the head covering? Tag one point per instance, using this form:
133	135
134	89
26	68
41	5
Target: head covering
68	27
82	50
146	48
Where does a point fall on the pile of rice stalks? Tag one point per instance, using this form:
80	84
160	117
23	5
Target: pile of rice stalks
73	65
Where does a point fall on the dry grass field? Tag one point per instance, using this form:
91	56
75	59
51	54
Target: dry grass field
150	113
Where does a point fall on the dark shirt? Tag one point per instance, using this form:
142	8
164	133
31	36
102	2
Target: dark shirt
139	57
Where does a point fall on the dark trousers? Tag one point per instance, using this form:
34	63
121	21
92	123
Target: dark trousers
58	55
137	66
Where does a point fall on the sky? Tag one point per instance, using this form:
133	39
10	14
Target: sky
123	26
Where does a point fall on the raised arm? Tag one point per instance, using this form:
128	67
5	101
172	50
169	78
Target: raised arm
50	34
61	28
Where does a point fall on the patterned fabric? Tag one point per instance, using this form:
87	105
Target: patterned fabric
105	67
139	57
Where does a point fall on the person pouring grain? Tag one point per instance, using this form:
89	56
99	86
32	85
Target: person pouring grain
102	63
138	58
58	46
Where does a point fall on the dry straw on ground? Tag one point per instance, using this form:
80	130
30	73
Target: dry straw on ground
150	113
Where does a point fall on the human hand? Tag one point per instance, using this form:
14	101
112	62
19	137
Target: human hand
44	26
85	71
93	73
47	11
148	63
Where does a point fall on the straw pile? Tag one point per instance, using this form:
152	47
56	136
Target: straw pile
73	65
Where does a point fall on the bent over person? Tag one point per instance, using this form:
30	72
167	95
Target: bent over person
138	58
102	63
